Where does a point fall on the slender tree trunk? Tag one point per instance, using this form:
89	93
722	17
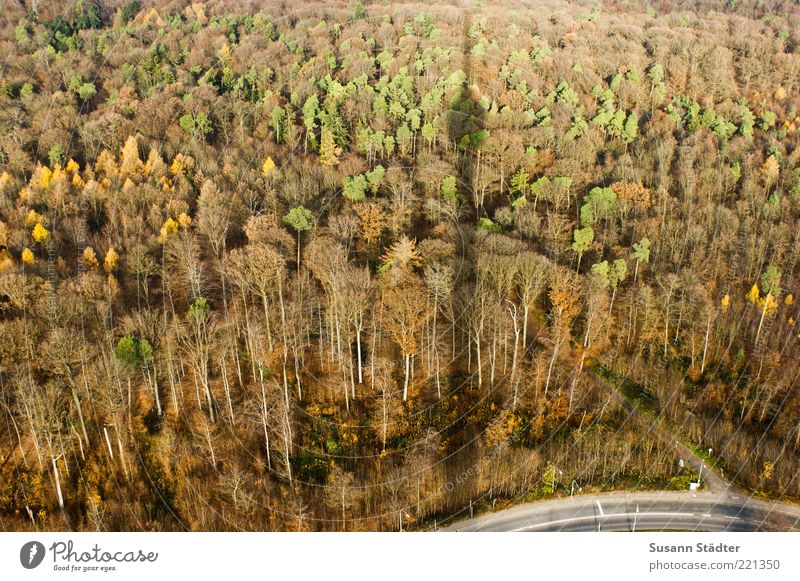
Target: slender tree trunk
358	347
297	379
264	416
287	442
493	359
405	381
121	451
211	449
514	366
385	419
344	512
172	387
438	378
763	315
321	340
575	381
248	337
705	346
221	267
108	443
525	310
58	484
226	385
478	355
372	354
588	327
352	375
550	368
207	387
80	412
151	380
266	319
453	341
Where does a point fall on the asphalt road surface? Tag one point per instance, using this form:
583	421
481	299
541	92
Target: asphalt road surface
640	511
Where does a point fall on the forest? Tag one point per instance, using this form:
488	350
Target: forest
370	266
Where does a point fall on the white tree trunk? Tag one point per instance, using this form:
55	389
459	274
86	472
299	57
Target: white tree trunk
358	347
705	346
58	484
405	382
108	442
763	314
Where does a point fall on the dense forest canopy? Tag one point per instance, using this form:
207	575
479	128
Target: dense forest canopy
324	265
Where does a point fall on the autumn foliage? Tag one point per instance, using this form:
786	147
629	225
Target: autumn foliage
302	266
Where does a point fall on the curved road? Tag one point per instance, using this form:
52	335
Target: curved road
639	511
719	506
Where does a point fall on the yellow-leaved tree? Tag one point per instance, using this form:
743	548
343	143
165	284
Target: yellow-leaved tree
32	218
181	164
89	257
402	256
111	261
44	177
268	169
130	165
155	164
768	304
169	229
403	306
40	233
754	295
770	171
329	152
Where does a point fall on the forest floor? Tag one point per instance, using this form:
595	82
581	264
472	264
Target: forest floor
699	462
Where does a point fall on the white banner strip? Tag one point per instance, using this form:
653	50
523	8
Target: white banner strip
388	556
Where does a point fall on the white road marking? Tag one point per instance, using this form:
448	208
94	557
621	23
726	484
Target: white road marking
600	508
622	514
